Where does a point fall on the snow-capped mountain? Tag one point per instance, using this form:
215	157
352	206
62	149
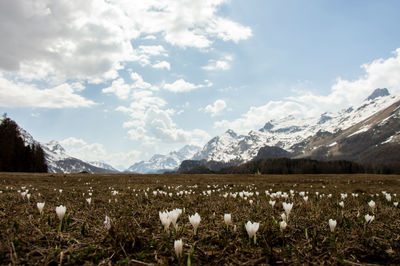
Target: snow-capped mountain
161	163
298	135
103	165
58	161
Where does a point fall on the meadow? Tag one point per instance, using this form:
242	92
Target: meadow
363	209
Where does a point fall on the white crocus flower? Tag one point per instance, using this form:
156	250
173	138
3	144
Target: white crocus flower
283	225
228	219
369	218
372	205
89	200
332	224
288	208
195	221
178	245
388	197
252	229
60	210
284	217
165	220
40	206
174	215
107	223
272	203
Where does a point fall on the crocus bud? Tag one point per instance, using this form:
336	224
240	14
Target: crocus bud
372	204
332	224
228	219
369	218
60	210
195	221
40	206
178	245
283	225
107	223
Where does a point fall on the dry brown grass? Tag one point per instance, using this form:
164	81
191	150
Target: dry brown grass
137	236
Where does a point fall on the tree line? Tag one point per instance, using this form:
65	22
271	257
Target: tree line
15	156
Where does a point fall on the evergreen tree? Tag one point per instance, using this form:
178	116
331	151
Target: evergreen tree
14	155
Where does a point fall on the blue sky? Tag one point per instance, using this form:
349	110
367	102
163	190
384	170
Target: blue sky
119	81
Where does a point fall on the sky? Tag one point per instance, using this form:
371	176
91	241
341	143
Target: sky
121	80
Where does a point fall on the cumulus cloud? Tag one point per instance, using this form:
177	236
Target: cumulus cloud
157	126
152	123
124	91
20	94
256	117
181	85
186	23
57	42
216	108
119	88
91	40
79	148
65	39
162	64
223	64
381	73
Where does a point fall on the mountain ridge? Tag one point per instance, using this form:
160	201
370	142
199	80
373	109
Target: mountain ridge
161	163
308	137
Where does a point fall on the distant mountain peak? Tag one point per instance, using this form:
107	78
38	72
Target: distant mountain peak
378	93
161	163
267	127
231	133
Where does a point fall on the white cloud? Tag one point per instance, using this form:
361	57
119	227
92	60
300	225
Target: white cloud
181	85
156	125
91	40
222	64
19	94
150	37
229	30
381	73
125	91
96	152
145	53
119	88
65	39
185	23
162	64
217	65
151	123
256	117
139	83
58	42
216	108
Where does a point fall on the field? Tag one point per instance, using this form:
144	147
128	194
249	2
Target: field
137	236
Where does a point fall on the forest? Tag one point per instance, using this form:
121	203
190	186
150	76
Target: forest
15	155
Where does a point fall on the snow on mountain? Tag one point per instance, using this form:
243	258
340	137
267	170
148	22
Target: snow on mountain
289	131
58	161
160	163
103	165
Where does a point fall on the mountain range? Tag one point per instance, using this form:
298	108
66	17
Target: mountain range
368	133
358	134
163	163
